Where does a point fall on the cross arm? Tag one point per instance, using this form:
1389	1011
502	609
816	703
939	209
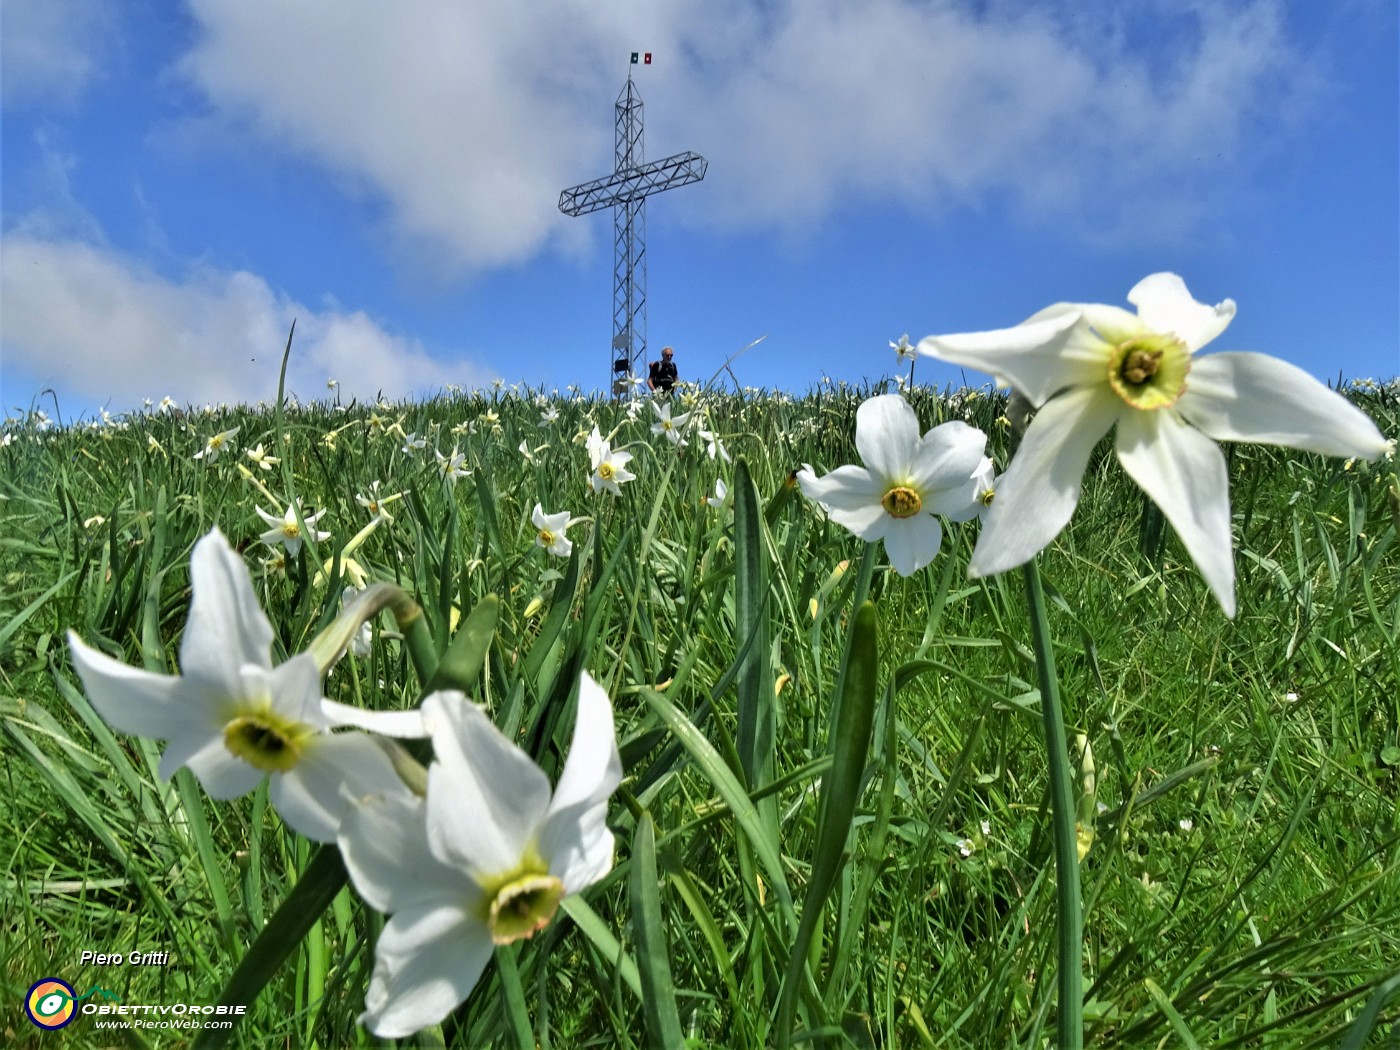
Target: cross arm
632	184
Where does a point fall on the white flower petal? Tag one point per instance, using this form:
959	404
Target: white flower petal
845	488
887	430
575	847
1164	305
1184	473
1040	489
310	797
946	457
1253	397
131	700
384	840
221	773
1038	357
401	724
486	797
426	962
226	627
912	543
294	687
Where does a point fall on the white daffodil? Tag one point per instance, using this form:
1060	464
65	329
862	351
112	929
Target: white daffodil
453	468
667	427
286	530
548	416
713	446
233	718
609	467
903	349
551	528
413	443
1087	367
906	482
483	861
377	504
217	444
721	496
261	458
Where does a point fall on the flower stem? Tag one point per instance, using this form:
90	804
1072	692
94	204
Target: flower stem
1068	906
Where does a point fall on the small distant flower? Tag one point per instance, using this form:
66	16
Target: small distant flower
152	444
1292	698
550	531
260	458
903	350
986	827
94	521
376	422
1088	368
375	503
548	416
216	445
666	426
331	384
721	494
233	718
286	530
965	847
907	481
412	443
166	405
453	468
609	467
498	384
1186	824
483	861
713	447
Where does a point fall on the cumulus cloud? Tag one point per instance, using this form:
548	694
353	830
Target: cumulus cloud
48	50
106	329
466	120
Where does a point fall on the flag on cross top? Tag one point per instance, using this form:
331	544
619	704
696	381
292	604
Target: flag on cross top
645	57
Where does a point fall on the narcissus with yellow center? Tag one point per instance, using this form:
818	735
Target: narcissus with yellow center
1088	368
906	483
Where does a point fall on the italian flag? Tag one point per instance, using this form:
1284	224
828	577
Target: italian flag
645	57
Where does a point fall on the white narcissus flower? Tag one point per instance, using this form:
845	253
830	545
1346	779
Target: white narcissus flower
903	350
609	467
1087	367
483	861
550	534
906	482
453	468
286	530
233	718
721	495
666	426
261	458
217	444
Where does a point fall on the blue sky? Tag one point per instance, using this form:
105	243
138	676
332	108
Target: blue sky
181	179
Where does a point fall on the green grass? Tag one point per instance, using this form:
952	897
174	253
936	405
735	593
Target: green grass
1242	888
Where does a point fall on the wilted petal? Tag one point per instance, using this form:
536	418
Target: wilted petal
1164	305
1039	357
1253	397
384	841
886	432
226	627
912	543
1184	473
427	961
486	797
310	797
1039	491
574	838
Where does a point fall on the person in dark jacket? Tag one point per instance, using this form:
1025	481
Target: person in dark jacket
663	372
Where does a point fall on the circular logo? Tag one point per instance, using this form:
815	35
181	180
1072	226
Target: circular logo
49	1003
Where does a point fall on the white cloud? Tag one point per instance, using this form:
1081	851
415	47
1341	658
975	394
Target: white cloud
467	119
47	50
105	329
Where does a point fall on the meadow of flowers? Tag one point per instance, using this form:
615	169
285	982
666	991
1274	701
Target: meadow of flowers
880	717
